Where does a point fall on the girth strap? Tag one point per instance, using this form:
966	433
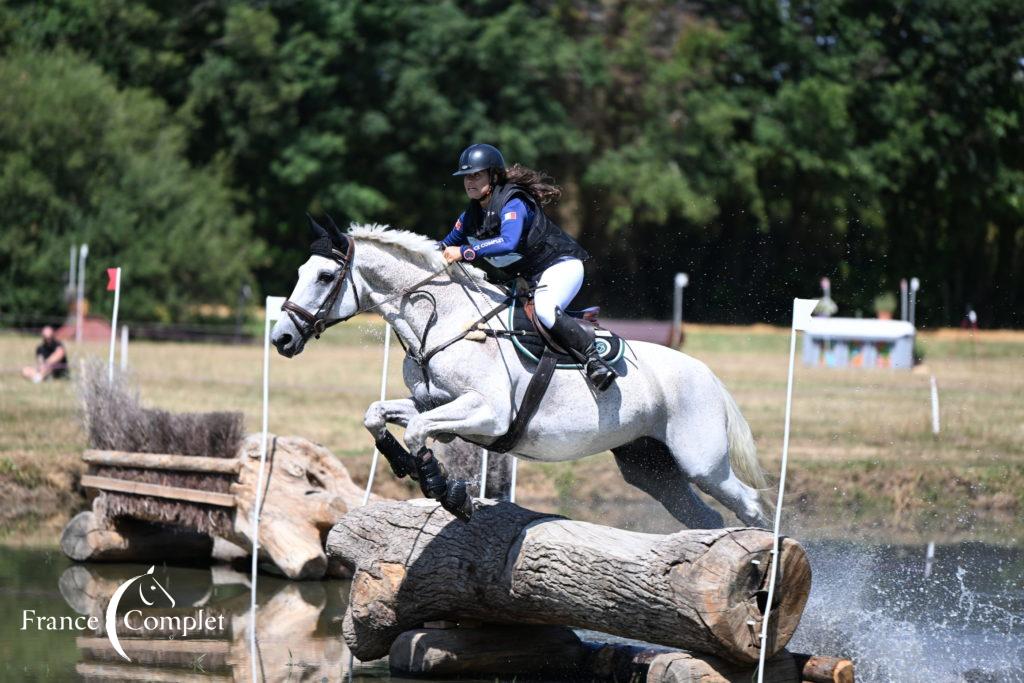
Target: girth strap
531	401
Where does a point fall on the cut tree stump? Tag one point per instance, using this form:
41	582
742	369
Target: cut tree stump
699	590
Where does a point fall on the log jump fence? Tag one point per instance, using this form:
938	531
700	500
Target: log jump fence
498	596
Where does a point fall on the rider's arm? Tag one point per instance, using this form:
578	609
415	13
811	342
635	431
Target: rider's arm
457	235
513	218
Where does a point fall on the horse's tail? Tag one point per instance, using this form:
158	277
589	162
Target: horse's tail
742	449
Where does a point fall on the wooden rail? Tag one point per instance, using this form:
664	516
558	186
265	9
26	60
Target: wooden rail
159	491
162	461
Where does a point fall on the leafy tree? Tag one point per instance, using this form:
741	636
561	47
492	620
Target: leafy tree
756	144
82	161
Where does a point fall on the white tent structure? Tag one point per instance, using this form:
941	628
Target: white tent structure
859	343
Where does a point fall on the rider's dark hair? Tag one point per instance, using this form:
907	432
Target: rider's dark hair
540	185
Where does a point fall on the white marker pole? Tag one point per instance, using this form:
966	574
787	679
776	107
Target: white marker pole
483	473
935	407
679	283
83	254
124	348
512	485
383	391
802	309
72	269
113	324
273	312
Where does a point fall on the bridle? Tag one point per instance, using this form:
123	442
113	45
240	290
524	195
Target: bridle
314	324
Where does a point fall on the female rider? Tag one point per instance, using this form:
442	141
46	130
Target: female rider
505	224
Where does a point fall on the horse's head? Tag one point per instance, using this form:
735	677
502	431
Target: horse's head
325	293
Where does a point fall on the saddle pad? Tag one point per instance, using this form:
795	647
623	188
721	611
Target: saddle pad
608	344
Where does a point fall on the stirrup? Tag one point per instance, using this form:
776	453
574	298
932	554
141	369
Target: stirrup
600	374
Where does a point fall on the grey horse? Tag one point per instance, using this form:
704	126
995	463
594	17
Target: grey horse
668	419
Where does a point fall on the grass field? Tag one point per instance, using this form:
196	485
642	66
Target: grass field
862	456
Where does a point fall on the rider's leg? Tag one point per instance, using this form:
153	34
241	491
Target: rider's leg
556	287
470	414
376	419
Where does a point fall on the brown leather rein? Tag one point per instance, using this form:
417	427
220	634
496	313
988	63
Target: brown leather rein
314	324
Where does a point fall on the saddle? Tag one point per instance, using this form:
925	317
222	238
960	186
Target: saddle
531	338
533	342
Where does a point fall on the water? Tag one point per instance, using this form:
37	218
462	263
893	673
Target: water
874	604
965	622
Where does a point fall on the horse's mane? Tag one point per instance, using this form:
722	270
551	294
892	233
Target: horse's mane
415	248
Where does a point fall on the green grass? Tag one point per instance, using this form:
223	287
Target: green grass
851	429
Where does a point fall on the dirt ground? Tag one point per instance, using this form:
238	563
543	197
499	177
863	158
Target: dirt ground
863	459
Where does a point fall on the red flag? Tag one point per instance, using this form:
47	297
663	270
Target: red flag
111	279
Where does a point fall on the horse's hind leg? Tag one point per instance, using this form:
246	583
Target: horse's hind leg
648	465
703	455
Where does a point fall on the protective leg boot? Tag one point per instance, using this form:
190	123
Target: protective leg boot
434	483
402	463
579	342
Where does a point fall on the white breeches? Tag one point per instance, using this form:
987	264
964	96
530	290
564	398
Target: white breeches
557	286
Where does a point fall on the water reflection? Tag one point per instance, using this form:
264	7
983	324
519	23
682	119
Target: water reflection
964	622
205	634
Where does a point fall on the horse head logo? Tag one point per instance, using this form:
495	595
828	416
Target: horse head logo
149	592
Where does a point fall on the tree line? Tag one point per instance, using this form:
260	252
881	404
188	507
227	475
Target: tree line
755	144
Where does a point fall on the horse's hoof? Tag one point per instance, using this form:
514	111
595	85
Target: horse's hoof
457	501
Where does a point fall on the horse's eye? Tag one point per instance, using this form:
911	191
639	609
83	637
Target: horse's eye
325	276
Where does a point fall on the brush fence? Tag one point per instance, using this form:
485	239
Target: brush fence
151	506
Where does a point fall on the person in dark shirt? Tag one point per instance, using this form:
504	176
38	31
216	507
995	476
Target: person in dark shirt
51	359
505	225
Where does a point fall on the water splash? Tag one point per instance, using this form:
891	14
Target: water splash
874	605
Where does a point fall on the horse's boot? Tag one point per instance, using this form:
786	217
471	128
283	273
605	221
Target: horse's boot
579	342
401	461
434	483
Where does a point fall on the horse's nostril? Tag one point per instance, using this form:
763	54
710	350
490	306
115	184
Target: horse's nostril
283	341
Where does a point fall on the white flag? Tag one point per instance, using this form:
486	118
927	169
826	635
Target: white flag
274	304
802	309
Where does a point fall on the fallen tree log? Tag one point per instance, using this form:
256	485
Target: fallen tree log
559	652
701	590
89	537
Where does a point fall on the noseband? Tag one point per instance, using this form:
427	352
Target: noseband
313	325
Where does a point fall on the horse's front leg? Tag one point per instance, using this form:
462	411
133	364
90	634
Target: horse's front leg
470	414
376	419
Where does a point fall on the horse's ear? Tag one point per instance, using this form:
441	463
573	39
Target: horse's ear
318	230
339	238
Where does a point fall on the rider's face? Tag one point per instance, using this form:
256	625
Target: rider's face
477	185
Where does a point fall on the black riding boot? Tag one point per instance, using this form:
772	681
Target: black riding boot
579	342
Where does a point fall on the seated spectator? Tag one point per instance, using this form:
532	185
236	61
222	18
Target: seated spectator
51	359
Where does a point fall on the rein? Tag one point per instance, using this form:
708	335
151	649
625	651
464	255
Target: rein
314	324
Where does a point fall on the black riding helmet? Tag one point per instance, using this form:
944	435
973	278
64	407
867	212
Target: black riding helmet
480	158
